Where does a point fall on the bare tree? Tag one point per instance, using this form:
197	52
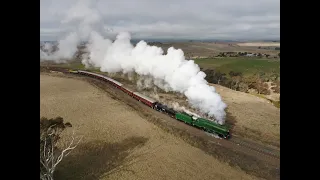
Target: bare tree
235	82
50	155
236	78
221	76
243	87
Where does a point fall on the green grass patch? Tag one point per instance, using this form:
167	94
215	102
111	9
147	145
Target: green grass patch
246	65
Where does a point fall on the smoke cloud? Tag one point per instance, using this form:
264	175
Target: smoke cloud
180	75
170	71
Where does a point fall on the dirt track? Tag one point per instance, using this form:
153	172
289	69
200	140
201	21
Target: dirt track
120	143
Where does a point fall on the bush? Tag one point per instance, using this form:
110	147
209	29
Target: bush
243	87
276	88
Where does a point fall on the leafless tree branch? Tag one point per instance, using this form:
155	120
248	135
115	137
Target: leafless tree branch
50	157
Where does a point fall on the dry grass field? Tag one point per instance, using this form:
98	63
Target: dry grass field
206	49
119	143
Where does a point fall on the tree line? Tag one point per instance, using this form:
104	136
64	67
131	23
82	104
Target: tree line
236	81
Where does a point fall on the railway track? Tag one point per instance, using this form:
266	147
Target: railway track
235	140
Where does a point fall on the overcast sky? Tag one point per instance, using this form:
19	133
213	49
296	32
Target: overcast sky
177	19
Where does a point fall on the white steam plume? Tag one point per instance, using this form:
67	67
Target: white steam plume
181	75
79	21
177	107
66	49
171	70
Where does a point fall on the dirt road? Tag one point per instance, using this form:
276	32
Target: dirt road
119	142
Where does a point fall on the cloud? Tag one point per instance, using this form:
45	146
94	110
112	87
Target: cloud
216	19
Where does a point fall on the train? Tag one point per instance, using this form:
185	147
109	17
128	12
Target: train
197	122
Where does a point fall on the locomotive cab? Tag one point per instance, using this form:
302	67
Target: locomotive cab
227	136
157	106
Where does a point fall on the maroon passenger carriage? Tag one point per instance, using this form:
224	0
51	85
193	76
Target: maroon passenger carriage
144	99
101	77
140	97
